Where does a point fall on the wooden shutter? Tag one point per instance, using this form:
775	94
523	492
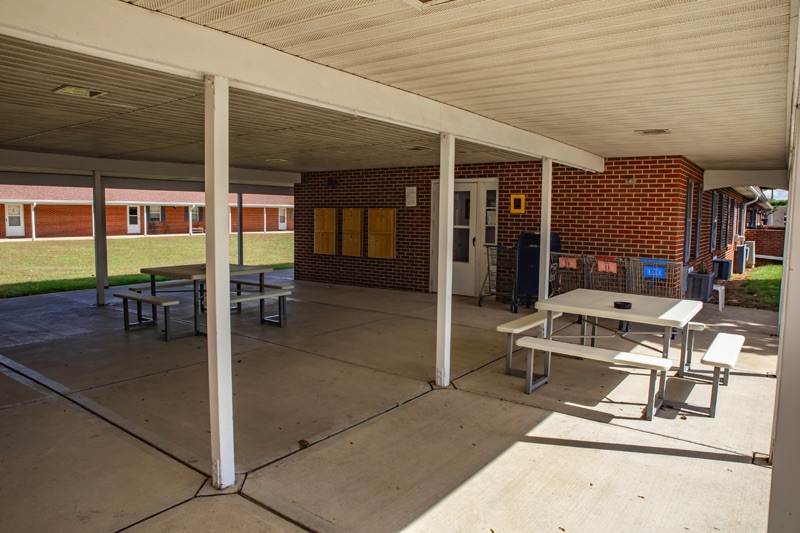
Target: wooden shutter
381	233
351	232
325	230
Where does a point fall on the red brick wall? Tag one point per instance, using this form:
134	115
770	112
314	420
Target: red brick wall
253	219
364	189
768	241
603	214
63	220
593	213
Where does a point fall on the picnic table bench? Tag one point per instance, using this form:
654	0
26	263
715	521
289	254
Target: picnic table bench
652	363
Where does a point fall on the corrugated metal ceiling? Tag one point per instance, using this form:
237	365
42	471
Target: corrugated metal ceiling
584	72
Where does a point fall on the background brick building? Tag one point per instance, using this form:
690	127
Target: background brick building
67	212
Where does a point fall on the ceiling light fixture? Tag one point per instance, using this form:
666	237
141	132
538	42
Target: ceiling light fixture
657	131
82	92
276	160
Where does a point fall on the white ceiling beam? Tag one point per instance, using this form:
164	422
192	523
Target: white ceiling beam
717	179
137	36
36	160
145	184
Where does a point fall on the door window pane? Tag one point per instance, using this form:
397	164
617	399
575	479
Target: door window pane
491	198
461	211
133	215
490	235
14	217
461	245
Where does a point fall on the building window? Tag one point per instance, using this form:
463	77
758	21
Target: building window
698	220
721	222
713	222
726	221
687	234
197	214
154	213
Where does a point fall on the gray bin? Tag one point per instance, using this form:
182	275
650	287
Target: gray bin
739	259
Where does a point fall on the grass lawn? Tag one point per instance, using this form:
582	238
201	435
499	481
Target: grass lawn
758	288
36	267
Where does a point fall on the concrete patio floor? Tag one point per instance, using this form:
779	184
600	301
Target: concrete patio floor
338	427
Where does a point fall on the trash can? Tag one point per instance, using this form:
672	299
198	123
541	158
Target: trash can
739	259
722	268
528	246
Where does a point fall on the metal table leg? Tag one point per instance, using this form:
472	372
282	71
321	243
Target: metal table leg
153	292
196	289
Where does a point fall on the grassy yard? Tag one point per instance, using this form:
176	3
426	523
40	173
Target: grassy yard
36	267
759	288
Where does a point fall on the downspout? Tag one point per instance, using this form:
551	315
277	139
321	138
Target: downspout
756	197
33	221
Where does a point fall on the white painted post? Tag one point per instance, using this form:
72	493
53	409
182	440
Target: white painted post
99	232
783	515
447	159
220	382
265	220
544	232
33	221
145	220
190	218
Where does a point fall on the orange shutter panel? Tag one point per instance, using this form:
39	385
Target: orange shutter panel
351	232
381	233
325	230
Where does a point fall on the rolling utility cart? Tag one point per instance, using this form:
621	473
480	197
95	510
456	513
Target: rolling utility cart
501	274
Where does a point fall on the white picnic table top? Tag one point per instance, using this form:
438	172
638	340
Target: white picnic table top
198	271
654	310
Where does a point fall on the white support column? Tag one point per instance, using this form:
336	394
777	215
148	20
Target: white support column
265	220
220	383
33	221
444	299
100	238
544	232
239	230
145	220
783	510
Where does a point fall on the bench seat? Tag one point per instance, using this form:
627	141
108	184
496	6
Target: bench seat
517	326
722	355
160	285
155	301
649	362
261	296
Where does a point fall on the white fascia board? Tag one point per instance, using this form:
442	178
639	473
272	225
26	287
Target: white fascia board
129	34
18	158
718	179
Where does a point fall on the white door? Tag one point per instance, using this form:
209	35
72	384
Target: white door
15	220
282	218
133	219
464	237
